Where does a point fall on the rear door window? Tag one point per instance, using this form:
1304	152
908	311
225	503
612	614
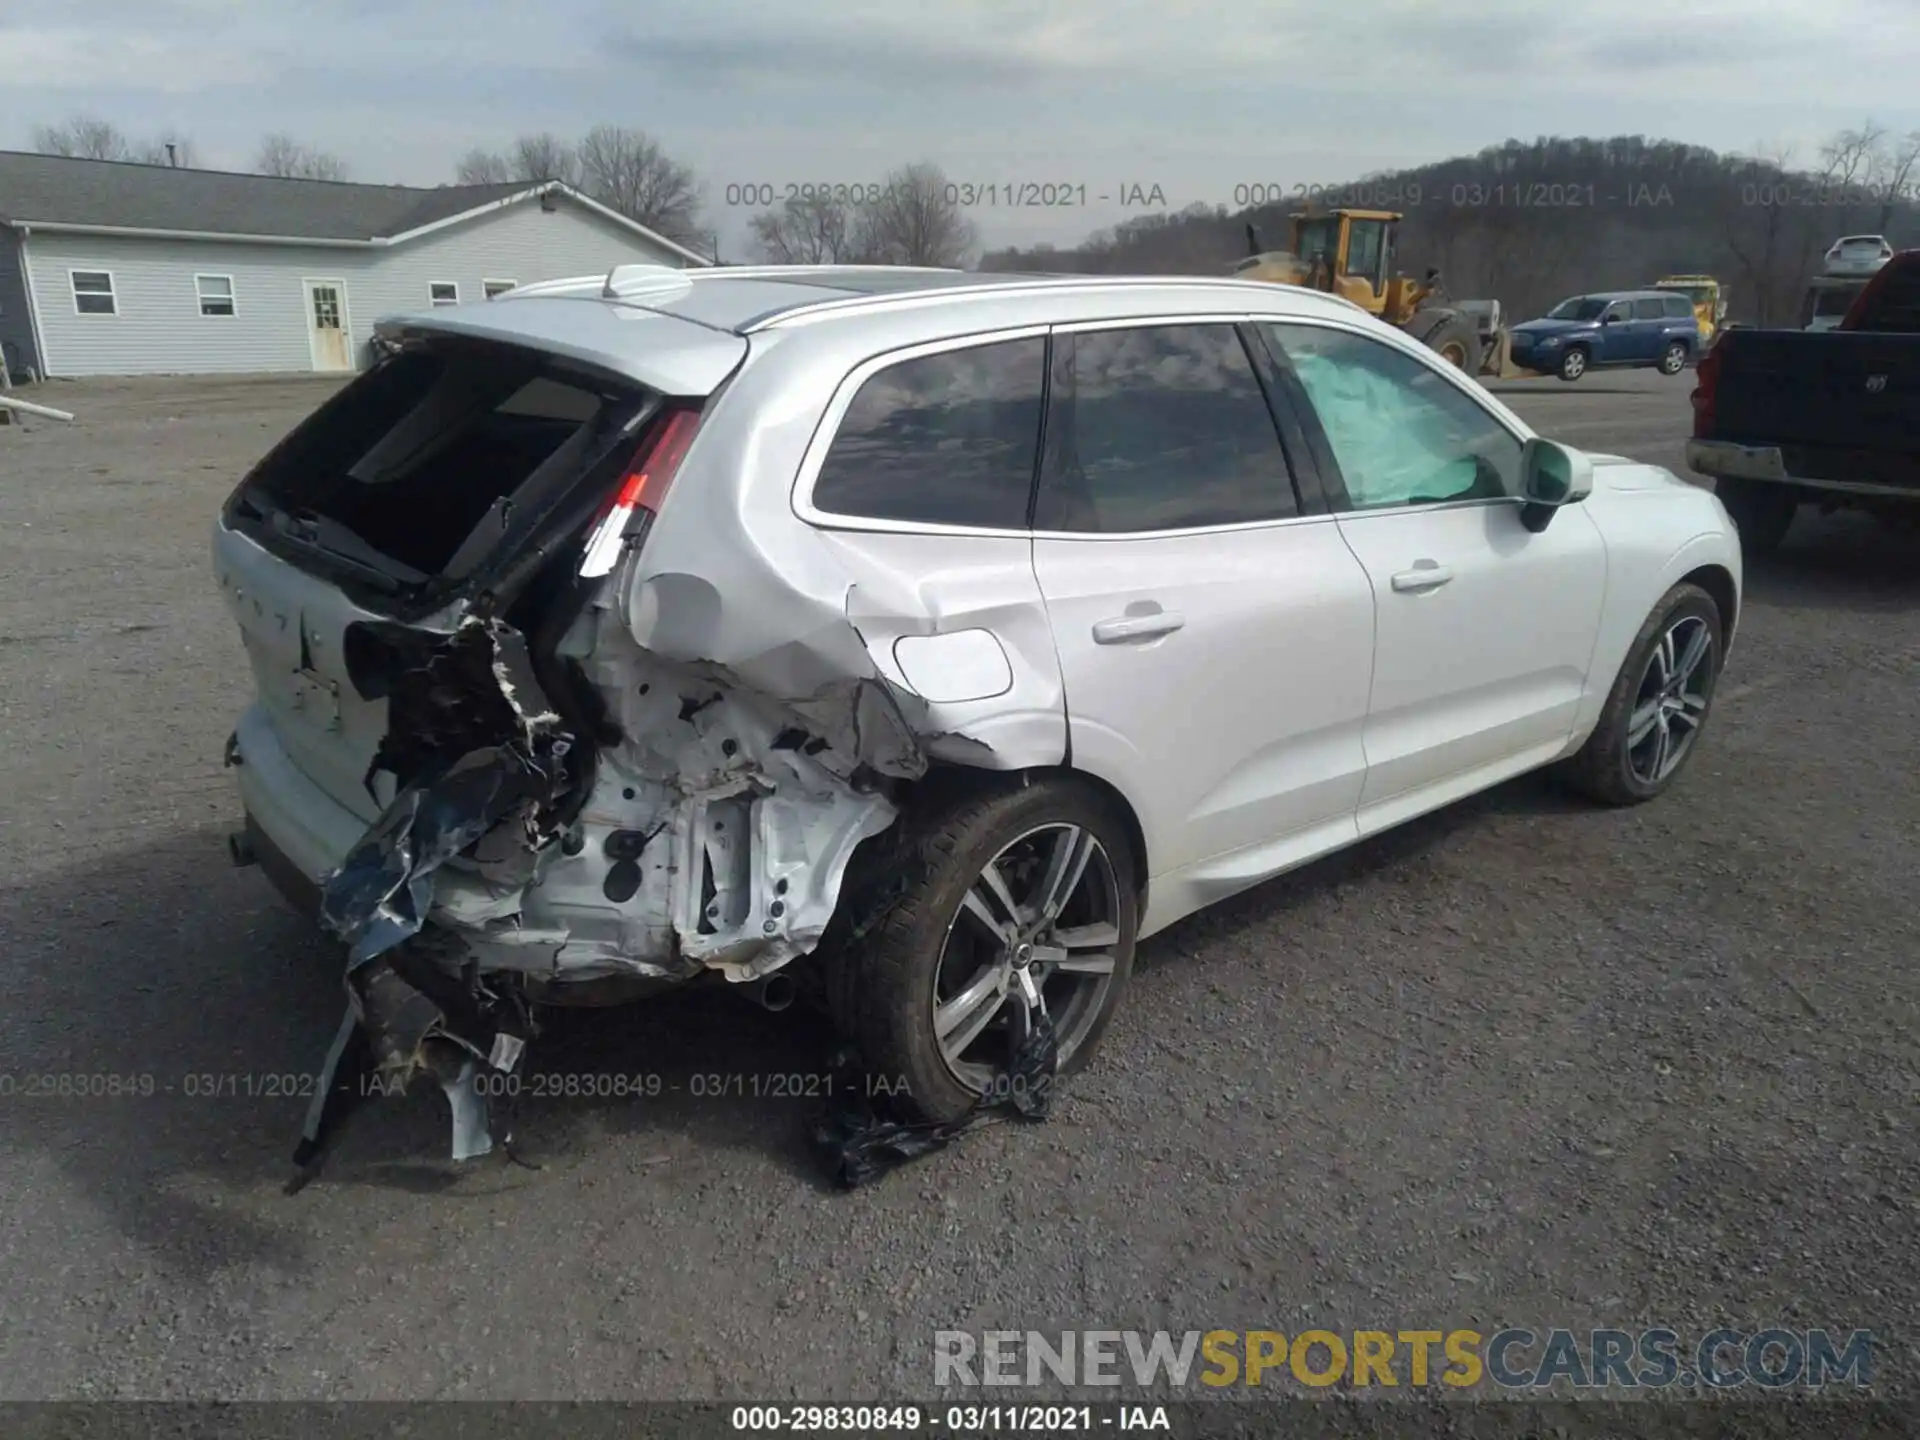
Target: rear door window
1652	307
945	439
1162	427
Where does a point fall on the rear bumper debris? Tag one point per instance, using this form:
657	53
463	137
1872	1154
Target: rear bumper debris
711	831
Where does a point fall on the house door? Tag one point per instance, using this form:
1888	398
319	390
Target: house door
328	334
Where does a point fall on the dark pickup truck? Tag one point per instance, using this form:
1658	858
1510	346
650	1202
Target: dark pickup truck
1785	418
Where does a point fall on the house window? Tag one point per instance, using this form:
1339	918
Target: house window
497	287
443	292
92	292
216	294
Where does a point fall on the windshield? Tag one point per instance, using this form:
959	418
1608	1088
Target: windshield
1580	307
1698	294
1317	240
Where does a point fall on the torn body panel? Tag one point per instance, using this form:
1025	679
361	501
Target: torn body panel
818	627
715	832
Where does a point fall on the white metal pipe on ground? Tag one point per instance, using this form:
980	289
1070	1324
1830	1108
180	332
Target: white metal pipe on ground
27	407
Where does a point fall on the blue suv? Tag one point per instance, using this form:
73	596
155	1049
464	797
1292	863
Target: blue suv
1616	329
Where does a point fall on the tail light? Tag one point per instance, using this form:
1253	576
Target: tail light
641	492
1706	379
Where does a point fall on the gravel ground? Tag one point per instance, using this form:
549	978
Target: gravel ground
1522	1061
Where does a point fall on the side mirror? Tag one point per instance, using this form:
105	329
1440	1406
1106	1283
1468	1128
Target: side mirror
1551	475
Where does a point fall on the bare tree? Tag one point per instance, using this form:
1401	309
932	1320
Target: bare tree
626	170
284	156
807	230
1849	157
1893	169
169	148
545	157
84	137
916	220
482	167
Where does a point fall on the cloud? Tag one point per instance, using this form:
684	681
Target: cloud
82	62
1193	96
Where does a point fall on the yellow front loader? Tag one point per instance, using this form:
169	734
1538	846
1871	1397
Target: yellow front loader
1351	253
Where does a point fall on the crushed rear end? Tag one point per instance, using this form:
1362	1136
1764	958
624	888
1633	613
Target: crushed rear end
460	756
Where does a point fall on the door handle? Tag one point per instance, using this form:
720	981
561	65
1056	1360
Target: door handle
1137	627
1422	577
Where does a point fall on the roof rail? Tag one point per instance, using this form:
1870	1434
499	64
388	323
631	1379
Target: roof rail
904	299
571	285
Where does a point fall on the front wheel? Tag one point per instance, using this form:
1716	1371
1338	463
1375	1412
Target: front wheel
1675	359
1573	365
1658	705
1009	904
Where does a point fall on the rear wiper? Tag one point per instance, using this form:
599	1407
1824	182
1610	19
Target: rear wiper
334	560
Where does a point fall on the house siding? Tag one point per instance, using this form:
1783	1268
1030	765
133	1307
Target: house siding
159	329
16	321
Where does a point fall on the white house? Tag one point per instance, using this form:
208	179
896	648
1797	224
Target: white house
109	268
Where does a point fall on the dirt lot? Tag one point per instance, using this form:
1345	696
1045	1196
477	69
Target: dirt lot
1521	1062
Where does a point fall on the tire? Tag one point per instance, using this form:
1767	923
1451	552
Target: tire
1615	766
1573	364
1760	512
924	946
1453	337
1674	360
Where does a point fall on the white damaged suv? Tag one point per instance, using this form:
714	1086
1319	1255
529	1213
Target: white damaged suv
963	629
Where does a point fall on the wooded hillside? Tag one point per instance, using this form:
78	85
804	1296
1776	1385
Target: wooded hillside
1530	223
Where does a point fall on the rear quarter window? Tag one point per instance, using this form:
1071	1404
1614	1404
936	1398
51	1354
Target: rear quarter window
944	439
1679	307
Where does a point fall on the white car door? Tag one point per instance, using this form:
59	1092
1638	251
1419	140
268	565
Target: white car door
1485	629
1215	641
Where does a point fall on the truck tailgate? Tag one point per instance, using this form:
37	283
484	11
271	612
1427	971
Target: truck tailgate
1827	391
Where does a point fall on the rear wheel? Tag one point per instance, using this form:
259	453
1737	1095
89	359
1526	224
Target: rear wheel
1009	904
1573	364
1659	703
1674	360
1760	512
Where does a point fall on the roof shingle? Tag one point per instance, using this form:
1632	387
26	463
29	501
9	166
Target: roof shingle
55	190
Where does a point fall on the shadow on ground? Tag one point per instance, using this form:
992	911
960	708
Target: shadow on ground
189	981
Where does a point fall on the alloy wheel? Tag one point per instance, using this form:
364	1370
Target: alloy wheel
1036	933
1671	703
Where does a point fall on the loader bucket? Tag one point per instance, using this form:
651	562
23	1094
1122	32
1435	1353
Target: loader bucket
1498	360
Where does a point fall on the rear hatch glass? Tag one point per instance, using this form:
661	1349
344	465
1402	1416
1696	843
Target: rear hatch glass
436	463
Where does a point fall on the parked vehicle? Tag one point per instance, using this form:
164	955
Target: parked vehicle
918	640
1856	255
1355	254
1785	418
1610	330
1710	300
1828	299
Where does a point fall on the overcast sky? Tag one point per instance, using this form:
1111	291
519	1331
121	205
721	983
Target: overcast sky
1195	96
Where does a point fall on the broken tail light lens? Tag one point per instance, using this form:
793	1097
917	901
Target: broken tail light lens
641	492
